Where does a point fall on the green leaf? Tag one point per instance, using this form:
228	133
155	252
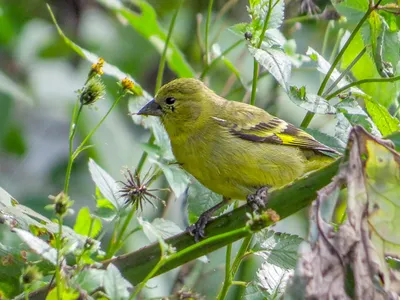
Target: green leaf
383	188
160	228
116	286
39	246
381	117
353	10
279	249
16	215
90	279
107	185
255	292
13	141
342	128
356	115
240	29
310	102
384	92
104	208
374	34
200	199
274	61
327	140
258	11
85	223
152	233
177	178
145	23
273	280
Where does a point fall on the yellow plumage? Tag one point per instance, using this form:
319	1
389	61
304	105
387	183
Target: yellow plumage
230	147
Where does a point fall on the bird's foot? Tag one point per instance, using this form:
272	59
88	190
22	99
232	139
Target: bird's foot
259	199
197	229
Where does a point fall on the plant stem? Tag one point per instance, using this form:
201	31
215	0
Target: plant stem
326	37
58	265
118	241
208	67
345	72
164	53
309	116
236	263
239	283
359	82
209	12
72	131
337	43
150	275
256	66
81	146
301	19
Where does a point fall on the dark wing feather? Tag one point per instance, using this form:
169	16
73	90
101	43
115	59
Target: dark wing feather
275	131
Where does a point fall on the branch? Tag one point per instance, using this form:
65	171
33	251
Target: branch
135	266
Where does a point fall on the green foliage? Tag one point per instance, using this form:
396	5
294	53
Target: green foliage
358	85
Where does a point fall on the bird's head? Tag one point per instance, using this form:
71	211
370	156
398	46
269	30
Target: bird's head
181	104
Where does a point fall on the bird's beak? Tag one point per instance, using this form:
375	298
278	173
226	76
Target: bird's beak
152	108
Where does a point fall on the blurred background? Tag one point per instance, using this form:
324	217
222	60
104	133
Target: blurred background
39	77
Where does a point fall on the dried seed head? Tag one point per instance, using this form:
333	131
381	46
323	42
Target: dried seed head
136	190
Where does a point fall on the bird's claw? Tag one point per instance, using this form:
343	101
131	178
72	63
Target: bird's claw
197	229
259	199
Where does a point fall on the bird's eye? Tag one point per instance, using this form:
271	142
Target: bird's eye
170	100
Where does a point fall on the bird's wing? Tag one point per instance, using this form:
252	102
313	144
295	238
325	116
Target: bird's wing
275	131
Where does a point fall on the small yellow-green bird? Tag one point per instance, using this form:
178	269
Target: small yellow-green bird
232	148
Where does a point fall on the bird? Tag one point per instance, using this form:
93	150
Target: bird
234	149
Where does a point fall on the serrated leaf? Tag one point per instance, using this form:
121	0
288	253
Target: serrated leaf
310	102
85	223
145	23
255	292
39	246
273	279
115	285
342	128
381	117
240	29
259	10
107	185
356	115
274	61
279	249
